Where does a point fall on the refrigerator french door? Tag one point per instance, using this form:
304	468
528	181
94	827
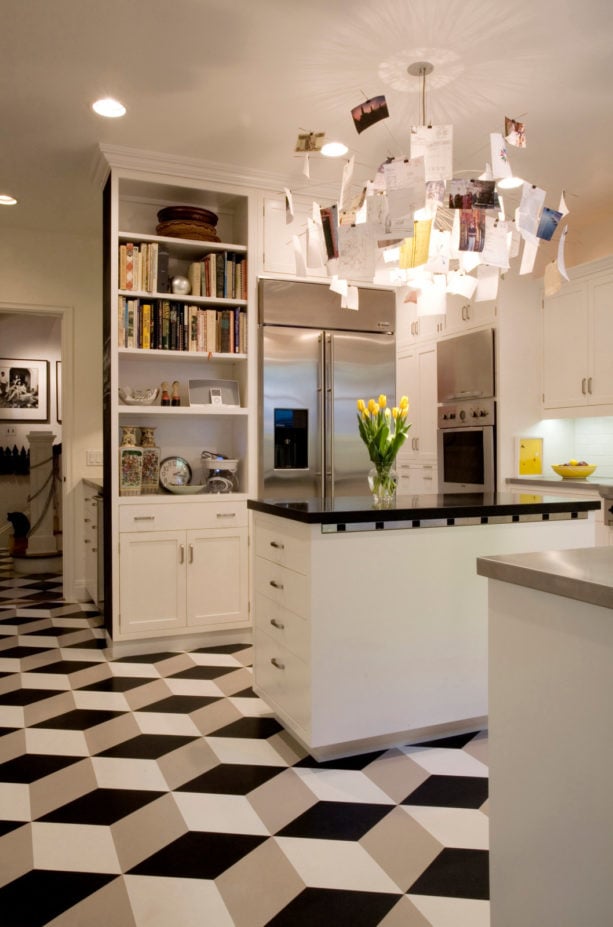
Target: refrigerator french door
311	379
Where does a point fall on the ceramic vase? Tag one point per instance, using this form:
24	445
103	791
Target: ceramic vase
151	461
130	463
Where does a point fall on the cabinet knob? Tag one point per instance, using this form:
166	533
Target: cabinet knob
277	663
277	545
144	518
226	515
275	584
277	624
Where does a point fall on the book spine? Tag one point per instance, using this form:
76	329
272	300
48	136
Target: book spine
224	331
130	324
165	325
236	320
122	267
121	324
129	282
146	336
154	249
194	276
162	272
243	333
220	275
211	331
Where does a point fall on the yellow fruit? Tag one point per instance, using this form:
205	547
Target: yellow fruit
573	463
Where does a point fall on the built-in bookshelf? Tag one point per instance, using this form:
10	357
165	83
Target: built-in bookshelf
159	336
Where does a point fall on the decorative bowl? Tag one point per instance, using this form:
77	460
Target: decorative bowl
138	397
578	472
189	489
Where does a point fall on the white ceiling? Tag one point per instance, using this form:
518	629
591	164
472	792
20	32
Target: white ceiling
234	81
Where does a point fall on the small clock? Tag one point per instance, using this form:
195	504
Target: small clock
175	471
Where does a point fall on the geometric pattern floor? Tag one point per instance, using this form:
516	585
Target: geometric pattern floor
158	791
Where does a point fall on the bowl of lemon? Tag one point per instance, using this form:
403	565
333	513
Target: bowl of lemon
574	469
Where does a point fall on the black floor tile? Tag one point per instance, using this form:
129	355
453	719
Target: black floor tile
260	728
204	672
327	906
245	693
358	762
27	696
198	855
231	779
102	806
36	898
223	648
450	792
33	766
455	741
151	658
64	667
455	873
115	684
147	746
20	652
336	820
181	704
79	719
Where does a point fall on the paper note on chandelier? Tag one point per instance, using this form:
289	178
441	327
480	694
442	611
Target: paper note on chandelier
404	183
357	252
529	210
435	145
414	251
496	245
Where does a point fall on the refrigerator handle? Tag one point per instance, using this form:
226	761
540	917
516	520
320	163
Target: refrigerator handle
321	400
329	417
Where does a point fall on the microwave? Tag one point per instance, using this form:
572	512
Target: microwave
466	446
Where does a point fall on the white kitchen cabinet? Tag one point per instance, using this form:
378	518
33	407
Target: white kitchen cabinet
278	255
174	579
413	329
416	478
577	339
90	497
416	378
464	315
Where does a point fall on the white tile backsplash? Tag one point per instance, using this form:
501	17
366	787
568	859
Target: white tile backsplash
588	439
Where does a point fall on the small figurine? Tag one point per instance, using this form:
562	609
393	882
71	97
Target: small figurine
165	400
176	399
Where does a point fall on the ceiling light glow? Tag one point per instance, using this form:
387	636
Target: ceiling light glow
109	108
509	183
334	149
7	200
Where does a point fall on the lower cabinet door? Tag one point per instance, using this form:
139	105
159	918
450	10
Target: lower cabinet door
152	591
216	576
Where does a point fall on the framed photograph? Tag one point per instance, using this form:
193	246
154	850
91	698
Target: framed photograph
58	392
24	390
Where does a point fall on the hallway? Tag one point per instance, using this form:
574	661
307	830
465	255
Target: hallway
157	790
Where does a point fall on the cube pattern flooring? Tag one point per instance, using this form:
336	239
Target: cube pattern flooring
158	790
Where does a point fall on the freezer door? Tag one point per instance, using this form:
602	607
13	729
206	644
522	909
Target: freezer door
358	366
291	392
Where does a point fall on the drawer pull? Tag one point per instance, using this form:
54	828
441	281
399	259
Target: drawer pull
226	515
181	553
144	518
277	624
275	584
191	553
277	545
277	663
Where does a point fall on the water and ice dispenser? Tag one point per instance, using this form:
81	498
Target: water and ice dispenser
291	432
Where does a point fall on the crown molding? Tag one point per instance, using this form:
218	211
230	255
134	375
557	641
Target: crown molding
114	157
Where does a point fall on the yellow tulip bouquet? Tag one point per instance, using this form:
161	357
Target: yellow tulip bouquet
383	431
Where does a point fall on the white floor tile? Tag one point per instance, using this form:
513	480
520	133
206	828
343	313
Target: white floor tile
342	785
453	912
118	772
340	864
230	814
453	827
73	847
441	761
160	902
244	750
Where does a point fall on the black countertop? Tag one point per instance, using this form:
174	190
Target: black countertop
458	508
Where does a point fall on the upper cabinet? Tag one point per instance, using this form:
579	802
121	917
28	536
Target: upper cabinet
284	244
577	339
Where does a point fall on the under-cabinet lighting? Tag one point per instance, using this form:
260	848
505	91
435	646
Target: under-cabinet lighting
7	200
109	108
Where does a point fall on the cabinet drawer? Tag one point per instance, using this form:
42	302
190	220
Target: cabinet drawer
285	587
283	626
178	516
282	546
282	678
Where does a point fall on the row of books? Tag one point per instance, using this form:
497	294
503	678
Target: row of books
171	326
220	274
143	267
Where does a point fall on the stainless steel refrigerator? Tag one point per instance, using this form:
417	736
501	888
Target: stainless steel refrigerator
316	361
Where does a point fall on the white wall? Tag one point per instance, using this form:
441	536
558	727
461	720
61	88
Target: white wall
44	270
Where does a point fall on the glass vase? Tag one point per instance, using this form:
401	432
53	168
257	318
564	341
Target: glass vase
382	482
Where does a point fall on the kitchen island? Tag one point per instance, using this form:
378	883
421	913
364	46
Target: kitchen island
371	625
550	747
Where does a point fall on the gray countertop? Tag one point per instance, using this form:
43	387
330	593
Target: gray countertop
585	574
604	486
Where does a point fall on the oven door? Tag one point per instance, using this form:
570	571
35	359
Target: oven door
467	460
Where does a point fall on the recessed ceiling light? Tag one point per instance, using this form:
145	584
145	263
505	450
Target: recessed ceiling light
108	107
509	183
7	200
334	149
